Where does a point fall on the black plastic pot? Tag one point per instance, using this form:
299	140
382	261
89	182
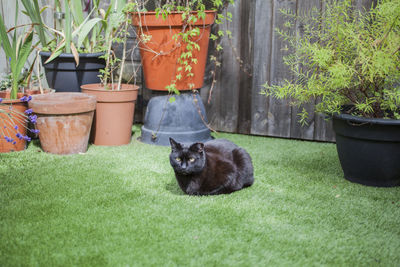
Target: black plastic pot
183	119
368	149
63	75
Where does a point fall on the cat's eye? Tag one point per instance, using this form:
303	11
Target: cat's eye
191	160
178	159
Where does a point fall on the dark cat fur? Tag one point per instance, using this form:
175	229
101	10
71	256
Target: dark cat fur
217	167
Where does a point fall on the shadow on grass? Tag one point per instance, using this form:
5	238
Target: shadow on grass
174	188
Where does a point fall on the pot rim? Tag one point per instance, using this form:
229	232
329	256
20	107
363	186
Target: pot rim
140	18
364	120
70	55
62	103
92	87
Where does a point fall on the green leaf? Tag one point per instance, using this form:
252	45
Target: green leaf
77	11
34	12
24	53
67	27
5	41
85	30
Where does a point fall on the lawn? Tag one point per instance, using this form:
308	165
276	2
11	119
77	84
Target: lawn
121	206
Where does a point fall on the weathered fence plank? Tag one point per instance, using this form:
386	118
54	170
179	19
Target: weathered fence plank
279	119
298	131
261	65
224	106
245	58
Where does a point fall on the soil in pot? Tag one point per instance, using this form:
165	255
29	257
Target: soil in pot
64	121
114	114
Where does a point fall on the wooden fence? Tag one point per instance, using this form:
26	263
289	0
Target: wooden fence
237	105
252	58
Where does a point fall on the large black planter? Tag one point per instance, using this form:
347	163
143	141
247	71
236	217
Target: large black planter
184	120
368	149
63	75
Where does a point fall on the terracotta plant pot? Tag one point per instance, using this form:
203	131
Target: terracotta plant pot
33	92
64	121
8	123
115	109
161	53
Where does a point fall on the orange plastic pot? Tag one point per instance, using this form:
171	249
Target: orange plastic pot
64	121
8	122
160	52
113	118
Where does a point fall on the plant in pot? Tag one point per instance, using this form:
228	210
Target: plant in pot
14	113
115	101
174	38
173	41
350	62
71	51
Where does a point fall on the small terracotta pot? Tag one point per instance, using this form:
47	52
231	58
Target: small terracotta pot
8	124
115	109
161	53
64	121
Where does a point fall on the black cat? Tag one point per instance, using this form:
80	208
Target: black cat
215	167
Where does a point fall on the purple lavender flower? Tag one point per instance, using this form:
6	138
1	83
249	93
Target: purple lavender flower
1	99
20	136
27	138
28	111
33	118
16	127
35	131
26	98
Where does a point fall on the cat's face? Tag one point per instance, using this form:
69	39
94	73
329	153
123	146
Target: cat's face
187	159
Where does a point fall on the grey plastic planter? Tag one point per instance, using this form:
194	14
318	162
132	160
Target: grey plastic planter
181	120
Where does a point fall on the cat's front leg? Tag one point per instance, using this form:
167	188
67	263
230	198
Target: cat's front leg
193	188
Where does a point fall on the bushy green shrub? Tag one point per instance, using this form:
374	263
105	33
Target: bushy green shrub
344	57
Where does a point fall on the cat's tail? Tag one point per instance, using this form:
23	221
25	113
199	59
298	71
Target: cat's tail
244	166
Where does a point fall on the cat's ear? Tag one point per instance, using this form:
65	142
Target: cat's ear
197	147
174	145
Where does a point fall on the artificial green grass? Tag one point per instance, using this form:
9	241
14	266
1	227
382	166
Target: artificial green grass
121	206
